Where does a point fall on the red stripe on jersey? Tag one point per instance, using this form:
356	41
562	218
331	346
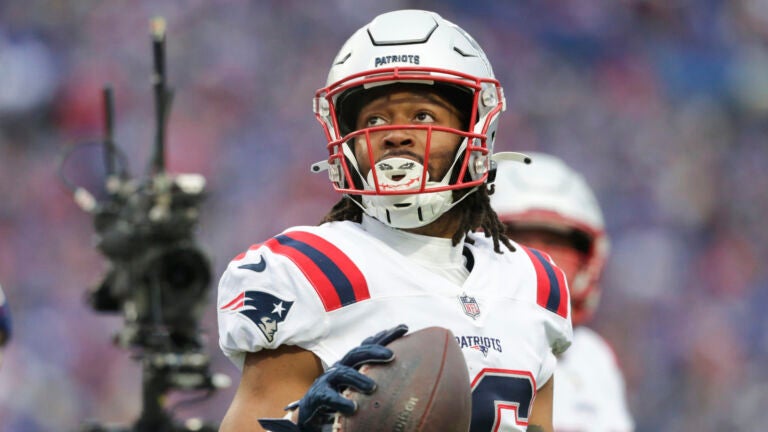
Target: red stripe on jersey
549	276
562	283
562	309
342	261
236	302
311	271
542	281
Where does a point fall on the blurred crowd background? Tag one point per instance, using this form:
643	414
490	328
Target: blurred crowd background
662	104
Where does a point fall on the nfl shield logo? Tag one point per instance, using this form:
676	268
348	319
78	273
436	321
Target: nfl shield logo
471	308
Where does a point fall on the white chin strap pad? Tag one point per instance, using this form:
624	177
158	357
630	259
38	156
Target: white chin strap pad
409	210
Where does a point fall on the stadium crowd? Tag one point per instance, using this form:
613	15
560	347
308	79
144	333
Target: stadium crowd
662	104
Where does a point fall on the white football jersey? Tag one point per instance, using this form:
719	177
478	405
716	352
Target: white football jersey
589	388
326	288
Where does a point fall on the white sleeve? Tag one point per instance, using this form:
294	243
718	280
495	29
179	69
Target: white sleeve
551	301
559	336
265	301
558	327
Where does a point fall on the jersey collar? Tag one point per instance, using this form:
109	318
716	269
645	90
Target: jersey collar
426	250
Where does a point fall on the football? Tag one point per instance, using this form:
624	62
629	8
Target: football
425	388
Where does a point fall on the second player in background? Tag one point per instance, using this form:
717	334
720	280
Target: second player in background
549	206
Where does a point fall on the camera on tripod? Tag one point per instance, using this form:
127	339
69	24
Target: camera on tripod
158	276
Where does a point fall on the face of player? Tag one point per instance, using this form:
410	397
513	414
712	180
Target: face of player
560	247
409	107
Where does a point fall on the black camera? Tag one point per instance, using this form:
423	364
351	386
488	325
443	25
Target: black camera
158	278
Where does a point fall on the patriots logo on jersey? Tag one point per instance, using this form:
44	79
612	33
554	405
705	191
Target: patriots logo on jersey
471	308
482	348
483	344
264	309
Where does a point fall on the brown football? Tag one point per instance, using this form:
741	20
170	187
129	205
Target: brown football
425	388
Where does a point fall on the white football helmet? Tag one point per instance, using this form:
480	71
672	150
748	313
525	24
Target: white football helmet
412	47
549	194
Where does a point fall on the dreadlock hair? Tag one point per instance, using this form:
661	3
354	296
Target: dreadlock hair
344	210
474	212
477	208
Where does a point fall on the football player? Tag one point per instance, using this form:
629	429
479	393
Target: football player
410	112
550	207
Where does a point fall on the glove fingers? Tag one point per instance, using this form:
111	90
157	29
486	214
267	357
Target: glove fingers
386	336
367	354
326	401
278	425
325	398
324	395
345	376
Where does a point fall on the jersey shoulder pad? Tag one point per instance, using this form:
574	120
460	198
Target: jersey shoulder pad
551	284
333	274
313	251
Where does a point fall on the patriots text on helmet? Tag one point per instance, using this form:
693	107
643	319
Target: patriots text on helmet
403	58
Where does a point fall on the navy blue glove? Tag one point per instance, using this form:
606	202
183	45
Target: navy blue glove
324	396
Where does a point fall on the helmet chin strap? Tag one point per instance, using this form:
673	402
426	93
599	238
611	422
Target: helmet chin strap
404	210
404	218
